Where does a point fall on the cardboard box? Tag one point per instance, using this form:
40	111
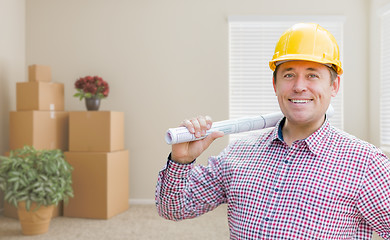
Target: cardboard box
96	131
39	73
12	212
100	184
41	129
39	96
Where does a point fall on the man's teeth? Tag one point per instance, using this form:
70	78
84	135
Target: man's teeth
299	101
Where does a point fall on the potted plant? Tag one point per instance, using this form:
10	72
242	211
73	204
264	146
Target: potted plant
92	89
34	181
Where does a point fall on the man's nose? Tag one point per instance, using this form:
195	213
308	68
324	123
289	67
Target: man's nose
300	84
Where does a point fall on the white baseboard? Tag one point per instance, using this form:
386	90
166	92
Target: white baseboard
141	201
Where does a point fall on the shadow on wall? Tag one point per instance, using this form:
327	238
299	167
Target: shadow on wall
5	108
4	112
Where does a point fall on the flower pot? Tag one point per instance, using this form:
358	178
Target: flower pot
92	104
34	222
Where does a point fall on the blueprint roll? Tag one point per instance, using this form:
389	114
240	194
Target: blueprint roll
181	134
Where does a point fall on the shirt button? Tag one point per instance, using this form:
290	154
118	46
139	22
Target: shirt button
267	219
276	190
286	162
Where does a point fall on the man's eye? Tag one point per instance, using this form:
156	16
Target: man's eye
288	75
313	76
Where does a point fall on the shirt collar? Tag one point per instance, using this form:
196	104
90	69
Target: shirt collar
276	133
313	142
280	126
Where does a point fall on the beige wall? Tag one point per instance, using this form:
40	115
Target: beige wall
12	62
168	60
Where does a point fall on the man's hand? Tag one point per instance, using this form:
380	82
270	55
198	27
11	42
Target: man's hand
188	151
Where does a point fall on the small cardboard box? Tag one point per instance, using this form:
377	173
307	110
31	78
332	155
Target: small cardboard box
39	73
12	212
40	129
96	131
100	184
39	96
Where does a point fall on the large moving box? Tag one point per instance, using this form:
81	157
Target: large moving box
39	96
96	131
100	184
40	129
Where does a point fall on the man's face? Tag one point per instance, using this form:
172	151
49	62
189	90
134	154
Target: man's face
304	90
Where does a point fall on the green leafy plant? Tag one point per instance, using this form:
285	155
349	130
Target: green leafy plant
41	176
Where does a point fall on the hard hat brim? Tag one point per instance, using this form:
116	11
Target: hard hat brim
300	57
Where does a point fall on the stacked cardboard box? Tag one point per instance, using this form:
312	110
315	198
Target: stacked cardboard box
100	176
39	119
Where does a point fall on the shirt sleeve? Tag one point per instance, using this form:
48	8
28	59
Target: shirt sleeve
187	191
374	201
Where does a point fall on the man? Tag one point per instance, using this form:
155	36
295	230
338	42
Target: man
304	179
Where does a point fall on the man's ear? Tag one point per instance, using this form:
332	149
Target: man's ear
336	86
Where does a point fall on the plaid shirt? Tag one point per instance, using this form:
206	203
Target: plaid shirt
330	185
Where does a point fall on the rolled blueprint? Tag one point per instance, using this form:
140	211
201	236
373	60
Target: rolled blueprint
181	134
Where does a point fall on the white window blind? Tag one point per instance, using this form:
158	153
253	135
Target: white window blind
385	81
252	42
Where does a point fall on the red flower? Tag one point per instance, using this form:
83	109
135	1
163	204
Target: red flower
89	87
106	89
80	83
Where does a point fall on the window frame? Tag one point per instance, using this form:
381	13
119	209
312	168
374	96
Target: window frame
384	109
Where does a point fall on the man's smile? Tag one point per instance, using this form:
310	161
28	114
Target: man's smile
300	101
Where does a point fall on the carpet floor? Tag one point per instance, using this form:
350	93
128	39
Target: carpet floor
139	222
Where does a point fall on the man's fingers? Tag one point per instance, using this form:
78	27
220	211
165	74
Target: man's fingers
198	125
188	124
209	122
188	151
203	125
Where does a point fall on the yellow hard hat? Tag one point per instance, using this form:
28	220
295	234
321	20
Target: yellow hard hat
309	42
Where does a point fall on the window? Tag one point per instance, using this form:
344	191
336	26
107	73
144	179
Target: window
385	80
252	42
